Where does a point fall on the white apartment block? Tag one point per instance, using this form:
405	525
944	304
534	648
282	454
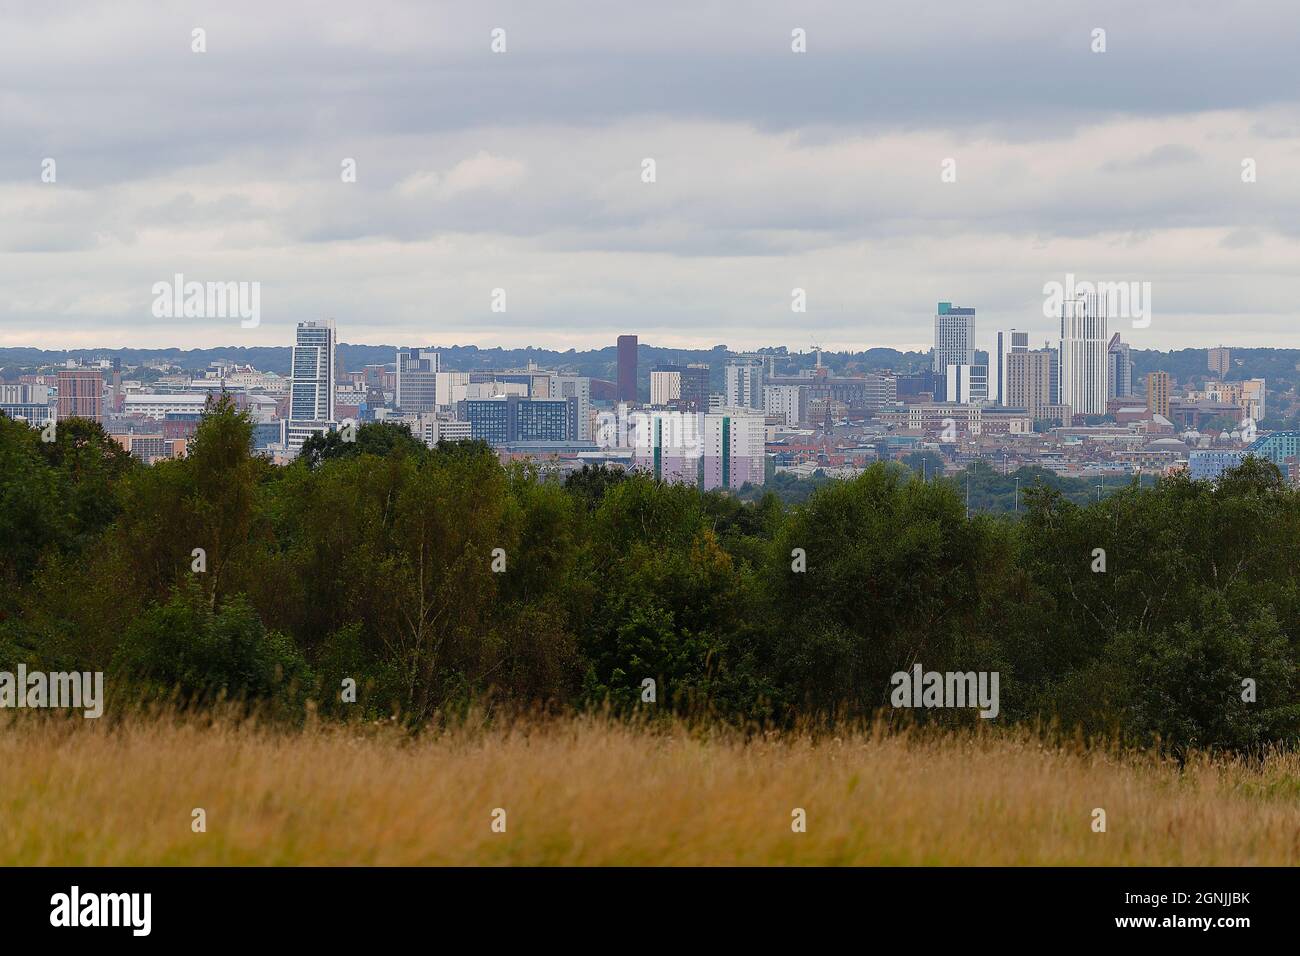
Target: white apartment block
745	385
787	402
665	387
667	444
1084	355
733	450
713	450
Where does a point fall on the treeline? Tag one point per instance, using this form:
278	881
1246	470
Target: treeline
433	579
983	485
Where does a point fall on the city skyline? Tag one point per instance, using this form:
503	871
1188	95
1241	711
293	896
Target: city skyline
625	436
318	158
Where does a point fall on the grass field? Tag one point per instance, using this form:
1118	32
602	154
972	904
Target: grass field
592	792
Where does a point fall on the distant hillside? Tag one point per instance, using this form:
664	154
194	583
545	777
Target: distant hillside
597	363
1277	365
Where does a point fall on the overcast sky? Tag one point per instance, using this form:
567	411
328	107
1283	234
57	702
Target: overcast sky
523	170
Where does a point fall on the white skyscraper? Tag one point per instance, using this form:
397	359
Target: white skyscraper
664	387
311	386
1083	355
954	338
1005	342
787	402
745	384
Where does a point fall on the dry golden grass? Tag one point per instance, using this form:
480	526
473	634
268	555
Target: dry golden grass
585	791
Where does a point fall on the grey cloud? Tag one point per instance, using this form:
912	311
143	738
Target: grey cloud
1170	154
822	165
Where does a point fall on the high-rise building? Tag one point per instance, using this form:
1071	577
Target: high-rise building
577	390
787	402
967	384
1219	361
1029	381
733	450
1083	355
311	387
954	338
452	387
1158	393
1055	358
1253	393
1119	369
669	445
665	385
117	385
683	386
745	382
767	360
627	368
417	380
695	387
880	390
715	450
1005	342
81	394
514	418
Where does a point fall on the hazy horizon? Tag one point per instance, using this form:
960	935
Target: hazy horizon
610	346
